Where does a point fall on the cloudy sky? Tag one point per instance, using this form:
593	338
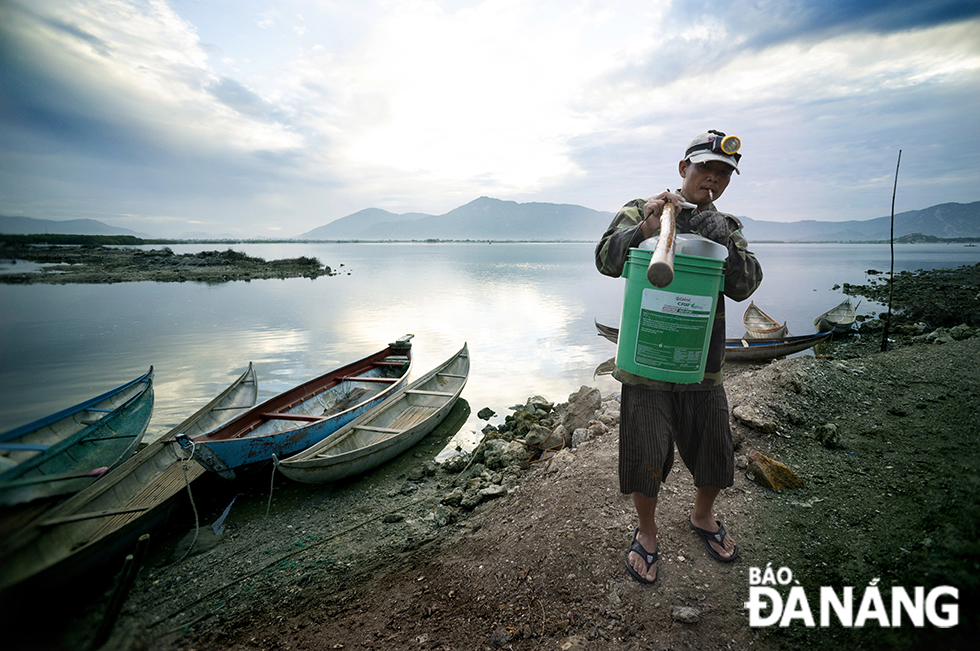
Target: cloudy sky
270	118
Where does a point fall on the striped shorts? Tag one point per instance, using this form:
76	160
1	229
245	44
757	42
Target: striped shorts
652	421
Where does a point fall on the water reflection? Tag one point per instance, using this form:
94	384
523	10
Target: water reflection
526	310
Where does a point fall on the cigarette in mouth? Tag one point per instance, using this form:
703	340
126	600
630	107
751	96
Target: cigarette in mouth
711	195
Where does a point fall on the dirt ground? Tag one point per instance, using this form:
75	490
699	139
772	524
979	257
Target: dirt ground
885	444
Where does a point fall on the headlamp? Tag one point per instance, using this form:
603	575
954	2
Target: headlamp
718	143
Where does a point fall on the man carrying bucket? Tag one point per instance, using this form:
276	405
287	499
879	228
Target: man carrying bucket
657	414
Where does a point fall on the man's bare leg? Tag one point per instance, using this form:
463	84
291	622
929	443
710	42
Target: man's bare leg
646	510
703	518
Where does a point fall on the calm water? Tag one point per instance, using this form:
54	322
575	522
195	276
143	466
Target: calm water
526	310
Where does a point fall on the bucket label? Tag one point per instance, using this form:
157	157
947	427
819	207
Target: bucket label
672	331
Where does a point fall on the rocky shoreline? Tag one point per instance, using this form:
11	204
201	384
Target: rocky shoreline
64	264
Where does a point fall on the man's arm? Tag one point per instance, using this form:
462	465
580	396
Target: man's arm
623	233
743	273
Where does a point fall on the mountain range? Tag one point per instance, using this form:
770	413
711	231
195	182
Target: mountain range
494	219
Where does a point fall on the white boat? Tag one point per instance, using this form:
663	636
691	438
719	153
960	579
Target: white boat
383	433
839	319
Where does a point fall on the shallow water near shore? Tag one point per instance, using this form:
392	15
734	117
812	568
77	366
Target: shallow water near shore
526	310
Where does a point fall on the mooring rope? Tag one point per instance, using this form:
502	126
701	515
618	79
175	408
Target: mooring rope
187	482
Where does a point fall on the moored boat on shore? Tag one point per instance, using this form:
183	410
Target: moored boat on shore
383	433
839	318
68	450
744	349
304	415
106	518
759	325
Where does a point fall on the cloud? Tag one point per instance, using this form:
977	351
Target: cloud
419	105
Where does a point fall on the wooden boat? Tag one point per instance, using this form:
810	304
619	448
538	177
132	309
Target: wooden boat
106	518
68	450
759	325
296	419
839	319
745	350
758	350
378	436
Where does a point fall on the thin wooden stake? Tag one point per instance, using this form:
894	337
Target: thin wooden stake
891	274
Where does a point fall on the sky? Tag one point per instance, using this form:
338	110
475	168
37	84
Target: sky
256	118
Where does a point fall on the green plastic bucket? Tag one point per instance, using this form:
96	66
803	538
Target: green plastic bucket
664	332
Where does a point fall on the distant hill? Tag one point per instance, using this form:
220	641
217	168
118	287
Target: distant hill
947	220
494	219
360	225
486	219
31	226
482	219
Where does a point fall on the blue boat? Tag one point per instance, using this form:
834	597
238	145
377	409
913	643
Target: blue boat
304	415
66	451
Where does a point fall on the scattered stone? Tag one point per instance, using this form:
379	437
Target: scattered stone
771	474
486	413
456	462
500	637
582	406
961	332
685	614
391	518
574	643
536	403
751	418
580	436
829	436
536	436
490	492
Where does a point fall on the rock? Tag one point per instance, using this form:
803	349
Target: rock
454	497
561	460
582	406
829	435
557	439
751	418
684	614
536	403
580	436
574	643
500	637
536	435
771	474
486	413
961	332
456	463
937	336
491	492
443	515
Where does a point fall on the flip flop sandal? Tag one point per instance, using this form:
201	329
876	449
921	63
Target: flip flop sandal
647	557
718	537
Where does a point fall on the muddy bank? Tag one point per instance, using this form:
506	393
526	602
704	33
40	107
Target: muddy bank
64	264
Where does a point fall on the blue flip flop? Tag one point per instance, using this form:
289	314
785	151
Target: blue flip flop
718	537
648	558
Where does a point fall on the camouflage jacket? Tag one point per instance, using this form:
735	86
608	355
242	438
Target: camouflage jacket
742	275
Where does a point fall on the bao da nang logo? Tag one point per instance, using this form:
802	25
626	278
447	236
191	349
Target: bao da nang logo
849	607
